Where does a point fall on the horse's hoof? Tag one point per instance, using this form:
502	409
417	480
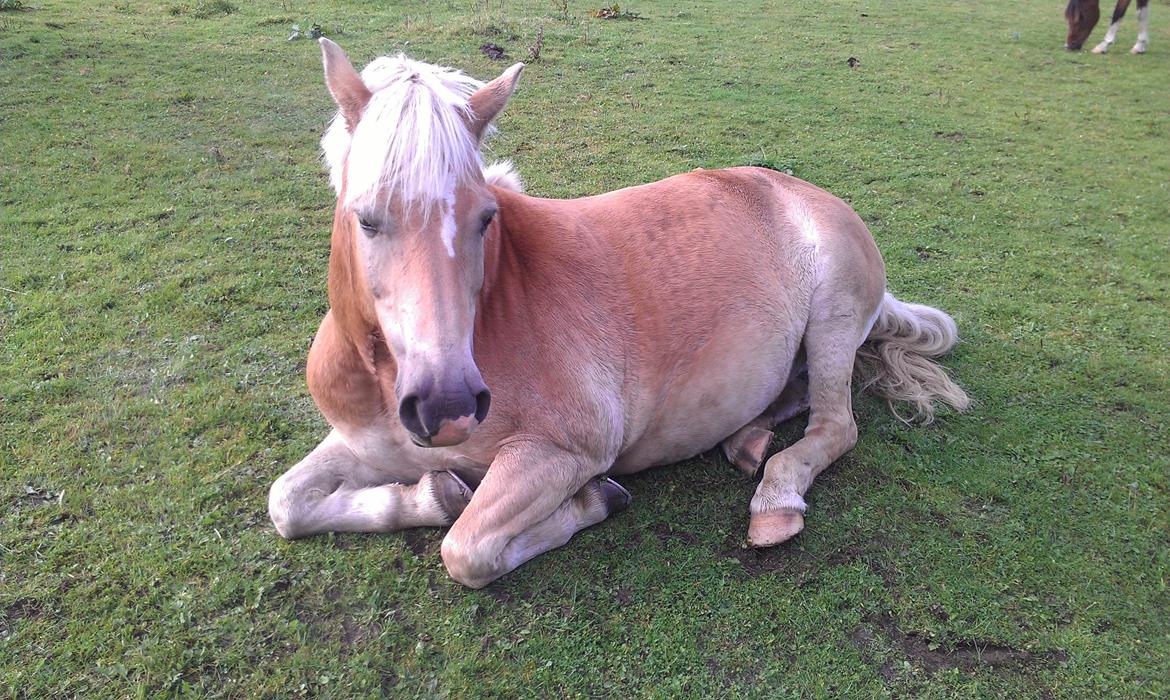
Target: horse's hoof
616	497
1101	48
773	527
747	448
449	492
1138	48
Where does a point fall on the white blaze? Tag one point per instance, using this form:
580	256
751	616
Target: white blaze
448	230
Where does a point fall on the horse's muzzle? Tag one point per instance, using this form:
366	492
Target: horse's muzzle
443	419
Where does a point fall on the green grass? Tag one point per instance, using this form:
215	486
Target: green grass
164	225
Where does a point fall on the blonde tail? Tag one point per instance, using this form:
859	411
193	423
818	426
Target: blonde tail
894	360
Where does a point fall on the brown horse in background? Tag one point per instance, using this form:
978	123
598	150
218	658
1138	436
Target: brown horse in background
490	359
1082	16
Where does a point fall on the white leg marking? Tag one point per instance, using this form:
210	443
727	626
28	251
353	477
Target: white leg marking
332	490
571	517
783	498
1143	31
1110	37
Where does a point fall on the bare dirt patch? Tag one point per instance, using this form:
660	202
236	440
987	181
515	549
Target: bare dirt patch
804	566
355	632
19	609
935	655
421	543
719	658
665	533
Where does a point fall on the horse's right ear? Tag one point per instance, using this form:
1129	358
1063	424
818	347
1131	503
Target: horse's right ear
344	83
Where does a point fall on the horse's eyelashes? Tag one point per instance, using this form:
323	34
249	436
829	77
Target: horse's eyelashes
368	227
486	221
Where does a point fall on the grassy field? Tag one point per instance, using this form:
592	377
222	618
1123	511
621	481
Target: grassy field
164	224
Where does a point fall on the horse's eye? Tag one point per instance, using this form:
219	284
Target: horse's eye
368	227
486	221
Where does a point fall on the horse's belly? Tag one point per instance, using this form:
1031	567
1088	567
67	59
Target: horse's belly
708	406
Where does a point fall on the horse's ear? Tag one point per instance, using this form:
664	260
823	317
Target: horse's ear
490	99
344	83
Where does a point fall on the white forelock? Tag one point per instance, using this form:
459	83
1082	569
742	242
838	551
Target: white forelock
412	137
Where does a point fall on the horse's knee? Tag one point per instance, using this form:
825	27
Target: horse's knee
280	509
288	501
468	560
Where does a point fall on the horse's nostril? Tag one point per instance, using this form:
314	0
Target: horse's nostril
483	400
408	414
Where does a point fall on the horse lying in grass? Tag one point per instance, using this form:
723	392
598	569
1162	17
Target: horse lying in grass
1082	16
616	333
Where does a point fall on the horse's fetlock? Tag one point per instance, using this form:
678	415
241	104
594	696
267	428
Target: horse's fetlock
447	493
771	497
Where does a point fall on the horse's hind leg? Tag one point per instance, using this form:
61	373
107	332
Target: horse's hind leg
1111	33
331	490
747	447
1143	39
830	341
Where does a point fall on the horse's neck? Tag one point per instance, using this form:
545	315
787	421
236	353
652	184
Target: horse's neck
516	250
543	263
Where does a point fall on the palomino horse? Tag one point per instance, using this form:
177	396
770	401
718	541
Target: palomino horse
617	332
1082	16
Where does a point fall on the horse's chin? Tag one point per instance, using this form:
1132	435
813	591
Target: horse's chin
451	432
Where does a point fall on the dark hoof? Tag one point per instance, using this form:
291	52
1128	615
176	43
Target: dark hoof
617	498
450	493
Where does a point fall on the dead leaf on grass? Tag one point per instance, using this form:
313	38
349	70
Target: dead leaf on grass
494	52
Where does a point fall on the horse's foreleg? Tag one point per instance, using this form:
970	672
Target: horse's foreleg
1111	33
777	510
533	499
331	490
1143	39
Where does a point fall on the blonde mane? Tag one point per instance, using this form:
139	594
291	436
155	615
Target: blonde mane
412	137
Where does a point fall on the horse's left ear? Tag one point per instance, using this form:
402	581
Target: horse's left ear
489	100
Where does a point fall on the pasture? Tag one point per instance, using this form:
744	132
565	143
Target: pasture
164	223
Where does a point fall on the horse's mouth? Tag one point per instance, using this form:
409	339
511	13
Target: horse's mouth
452	432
